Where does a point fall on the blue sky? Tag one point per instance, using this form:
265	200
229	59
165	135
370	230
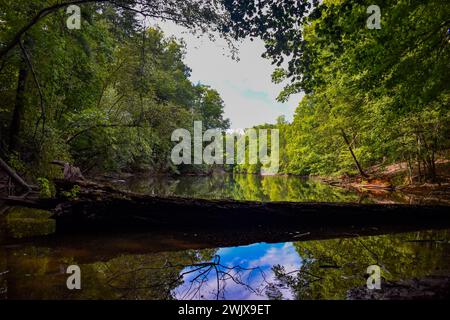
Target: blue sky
245	85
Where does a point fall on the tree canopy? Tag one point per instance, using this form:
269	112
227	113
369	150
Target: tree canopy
108	95
105	97
382	93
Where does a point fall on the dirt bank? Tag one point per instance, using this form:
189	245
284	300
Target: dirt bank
385	180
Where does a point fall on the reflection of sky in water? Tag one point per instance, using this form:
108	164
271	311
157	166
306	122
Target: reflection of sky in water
250	265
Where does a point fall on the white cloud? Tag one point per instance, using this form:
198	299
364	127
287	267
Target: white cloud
245	85
286	256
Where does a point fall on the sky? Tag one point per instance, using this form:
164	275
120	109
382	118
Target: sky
244	85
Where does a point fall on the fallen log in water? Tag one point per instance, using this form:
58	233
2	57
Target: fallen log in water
101	207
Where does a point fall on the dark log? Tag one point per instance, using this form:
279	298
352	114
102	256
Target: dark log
101	207
33	202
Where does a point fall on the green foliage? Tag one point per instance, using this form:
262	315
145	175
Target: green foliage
16	163
113	92
45	188
111	95
73	193
387	90
331	267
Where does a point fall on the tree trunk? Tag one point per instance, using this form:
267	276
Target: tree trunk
361	171
431	168
16	122
419	168
410	169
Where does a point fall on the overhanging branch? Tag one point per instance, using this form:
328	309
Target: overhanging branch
38	17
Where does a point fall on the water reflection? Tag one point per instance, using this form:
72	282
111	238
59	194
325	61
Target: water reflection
20	222
242	187
324	269
240	273
260	188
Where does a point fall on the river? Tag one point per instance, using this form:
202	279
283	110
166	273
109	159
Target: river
216	265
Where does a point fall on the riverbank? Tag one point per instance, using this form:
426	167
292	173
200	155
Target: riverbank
383	180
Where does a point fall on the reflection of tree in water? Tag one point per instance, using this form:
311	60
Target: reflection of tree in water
221	275
243	187
176	280
151	277
211	187
37	273
331	267
328	270
286	188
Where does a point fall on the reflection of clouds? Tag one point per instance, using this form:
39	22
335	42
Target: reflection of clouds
261	256
286	256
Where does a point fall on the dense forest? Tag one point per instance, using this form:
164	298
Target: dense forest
108	96
372	97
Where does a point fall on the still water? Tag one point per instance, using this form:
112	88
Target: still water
178	265
257	188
